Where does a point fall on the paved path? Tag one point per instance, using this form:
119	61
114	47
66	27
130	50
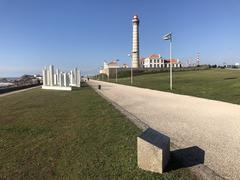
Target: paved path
211	125
17	91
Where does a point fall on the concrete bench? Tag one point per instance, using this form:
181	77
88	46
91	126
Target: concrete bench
153	151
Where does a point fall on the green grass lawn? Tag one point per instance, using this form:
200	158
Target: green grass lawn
217	84
68	135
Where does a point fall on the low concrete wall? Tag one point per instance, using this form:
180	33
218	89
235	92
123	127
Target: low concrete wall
10	89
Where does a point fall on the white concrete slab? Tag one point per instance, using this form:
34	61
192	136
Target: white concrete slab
57	88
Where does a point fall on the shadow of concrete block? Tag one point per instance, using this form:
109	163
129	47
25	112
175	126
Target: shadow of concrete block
186	157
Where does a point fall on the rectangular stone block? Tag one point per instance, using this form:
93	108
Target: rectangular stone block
153	151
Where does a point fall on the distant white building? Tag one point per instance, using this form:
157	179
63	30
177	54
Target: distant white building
153	61
37	76
176	63
156	61
112	64
106	66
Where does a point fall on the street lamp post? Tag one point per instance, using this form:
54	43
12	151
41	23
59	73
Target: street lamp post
116	70
101	74
116	74
131	75
129	55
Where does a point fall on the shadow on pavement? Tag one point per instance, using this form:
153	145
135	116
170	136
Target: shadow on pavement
187	157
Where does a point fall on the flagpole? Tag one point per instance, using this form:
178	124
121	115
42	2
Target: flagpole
170	64
169	37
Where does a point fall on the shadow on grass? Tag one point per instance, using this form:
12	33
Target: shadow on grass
187	157
83	85
230	78
76	88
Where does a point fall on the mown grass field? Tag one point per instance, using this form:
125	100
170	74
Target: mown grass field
69	135
216	84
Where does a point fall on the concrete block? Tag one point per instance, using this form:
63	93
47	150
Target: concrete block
153	151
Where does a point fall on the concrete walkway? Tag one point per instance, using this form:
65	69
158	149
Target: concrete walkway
212	126
18	91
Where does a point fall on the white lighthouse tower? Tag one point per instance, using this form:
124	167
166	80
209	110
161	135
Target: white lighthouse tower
135	42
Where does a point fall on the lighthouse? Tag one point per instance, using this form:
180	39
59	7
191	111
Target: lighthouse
135	42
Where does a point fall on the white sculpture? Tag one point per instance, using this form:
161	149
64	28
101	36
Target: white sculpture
59	80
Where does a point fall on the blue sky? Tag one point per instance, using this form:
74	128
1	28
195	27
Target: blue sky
84	33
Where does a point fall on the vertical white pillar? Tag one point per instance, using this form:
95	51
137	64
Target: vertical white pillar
71	77
57	77
44	76
65	79
48	76
75	73
78	78
68	79
60	79
51	75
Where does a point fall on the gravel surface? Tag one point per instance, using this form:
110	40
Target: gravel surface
213	126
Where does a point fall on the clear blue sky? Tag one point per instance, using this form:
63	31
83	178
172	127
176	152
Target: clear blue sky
84	33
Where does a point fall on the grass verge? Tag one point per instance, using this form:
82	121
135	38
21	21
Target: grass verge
68	135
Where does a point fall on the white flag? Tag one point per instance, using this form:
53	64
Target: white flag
168	36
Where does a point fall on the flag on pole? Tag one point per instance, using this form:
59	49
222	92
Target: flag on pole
168	36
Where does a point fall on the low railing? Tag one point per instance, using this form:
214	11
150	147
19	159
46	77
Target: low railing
15	88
